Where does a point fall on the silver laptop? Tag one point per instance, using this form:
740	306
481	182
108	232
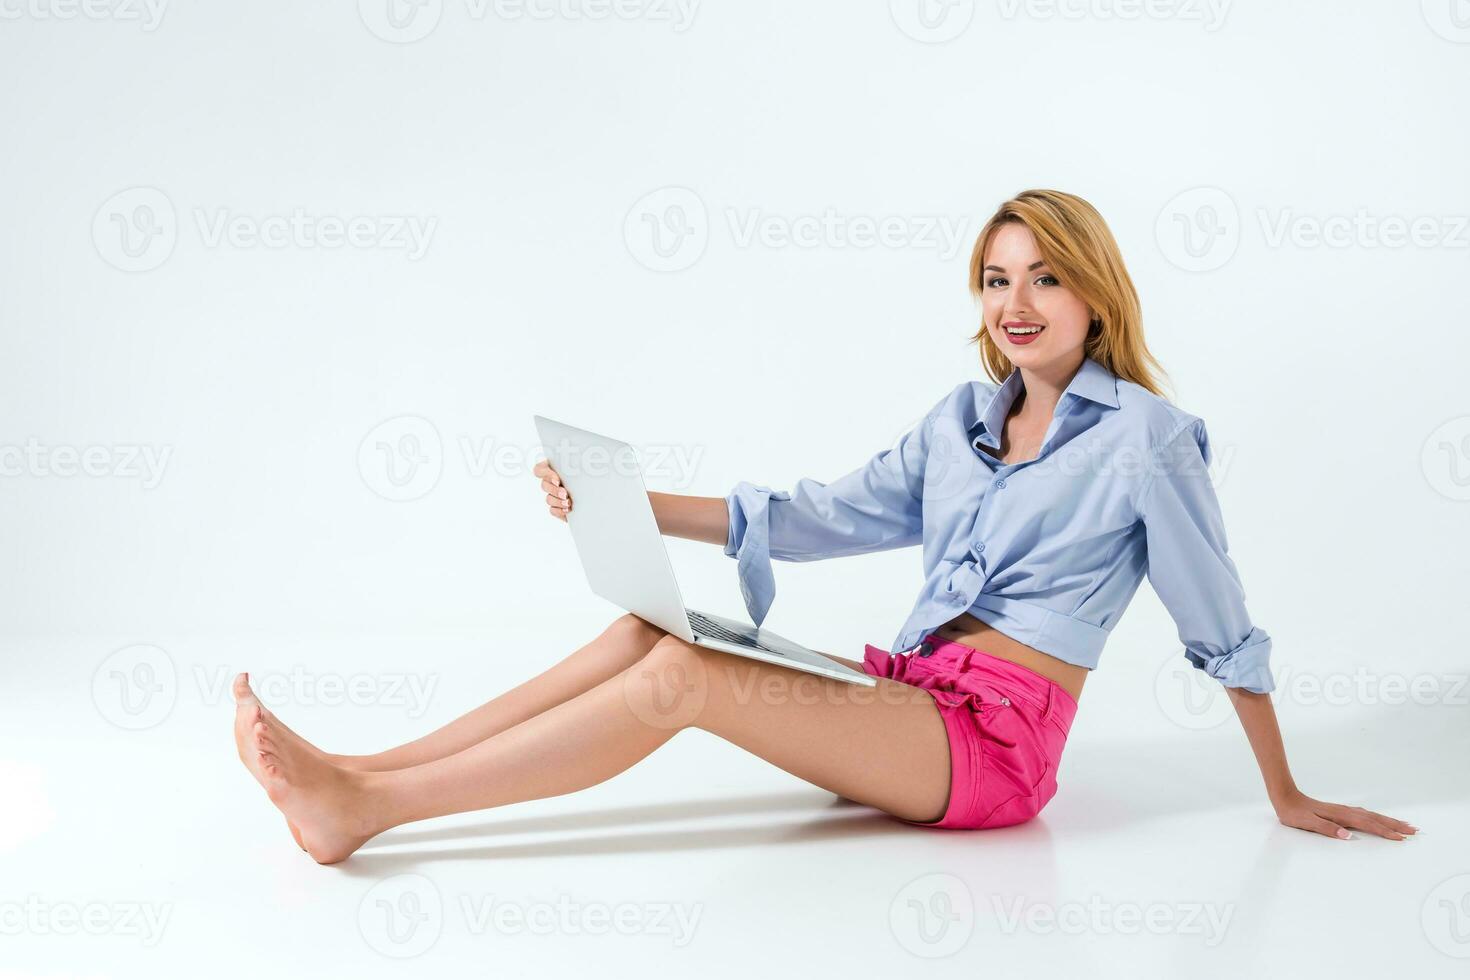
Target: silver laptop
623	553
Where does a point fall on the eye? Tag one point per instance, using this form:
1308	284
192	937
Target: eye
1047	275
993	281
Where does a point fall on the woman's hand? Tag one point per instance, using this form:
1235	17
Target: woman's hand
1299	810
557	498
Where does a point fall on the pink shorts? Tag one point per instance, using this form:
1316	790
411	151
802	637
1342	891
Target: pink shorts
1006	724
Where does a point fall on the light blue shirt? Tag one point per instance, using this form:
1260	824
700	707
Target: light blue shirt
1049	551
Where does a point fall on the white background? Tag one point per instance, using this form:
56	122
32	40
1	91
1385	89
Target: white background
535	147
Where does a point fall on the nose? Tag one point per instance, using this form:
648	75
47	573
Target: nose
1018	302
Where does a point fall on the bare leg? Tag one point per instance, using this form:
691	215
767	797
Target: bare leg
616	649
883	746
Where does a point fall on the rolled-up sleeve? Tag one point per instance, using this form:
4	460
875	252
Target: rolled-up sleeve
1190	568
876	507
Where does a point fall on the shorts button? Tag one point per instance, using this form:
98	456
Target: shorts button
926	648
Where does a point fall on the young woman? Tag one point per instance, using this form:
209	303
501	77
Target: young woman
1041	502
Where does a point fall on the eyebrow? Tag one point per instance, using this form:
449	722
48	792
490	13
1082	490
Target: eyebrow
1033	265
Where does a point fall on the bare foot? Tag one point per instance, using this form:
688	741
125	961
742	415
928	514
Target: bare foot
360	763
327	808
249	710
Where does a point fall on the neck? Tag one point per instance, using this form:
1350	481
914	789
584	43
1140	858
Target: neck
1042	388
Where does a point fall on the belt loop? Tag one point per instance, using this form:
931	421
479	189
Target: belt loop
965	659
1051	701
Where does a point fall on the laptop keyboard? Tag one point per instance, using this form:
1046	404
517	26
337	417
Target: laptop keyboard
701	624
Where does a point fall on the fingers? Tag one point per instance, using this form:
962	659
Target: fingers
1370	822
558	500
1335	820
1323	826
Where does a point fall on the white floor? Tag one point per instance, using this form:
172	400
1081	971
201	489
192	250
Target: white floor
133	845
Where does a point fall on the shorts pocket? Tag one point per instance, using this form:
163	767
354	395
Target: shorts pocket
1019	808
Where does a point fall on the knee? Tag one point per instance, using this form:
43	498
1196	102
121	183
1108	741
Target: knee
636	630
669	687
671	655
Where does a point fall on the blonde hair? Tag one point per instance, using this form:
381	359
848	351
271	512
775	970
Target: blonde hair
1078	247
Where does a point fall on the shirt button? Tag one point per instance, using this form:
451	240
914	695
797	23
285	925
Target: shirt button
980	546
1000	484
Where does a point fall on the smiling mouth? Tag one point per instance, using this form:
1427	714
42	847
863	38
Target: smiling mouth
1023	331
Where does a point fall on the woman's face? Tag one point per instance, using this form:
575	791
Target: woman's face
1018	291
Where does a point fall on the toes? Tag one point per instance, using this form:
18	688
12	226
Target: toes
261	736
242	688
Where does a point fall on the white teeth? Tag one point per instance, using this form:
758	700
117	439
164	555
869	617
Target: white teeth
1023	330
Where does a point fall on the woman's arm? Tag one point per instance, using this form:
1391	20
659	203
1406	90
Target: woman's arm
1293	807
704	519
697	518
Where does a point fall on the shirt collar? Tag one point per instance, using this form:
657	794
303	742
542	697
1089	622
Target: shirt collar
1091	381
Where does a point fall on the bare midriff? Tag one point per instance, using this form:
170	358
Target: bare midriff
971	632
